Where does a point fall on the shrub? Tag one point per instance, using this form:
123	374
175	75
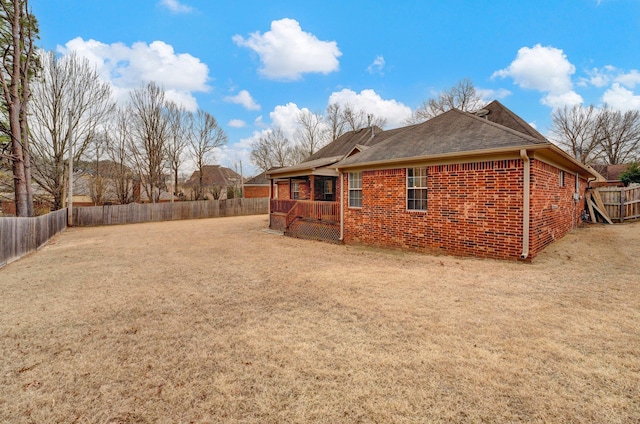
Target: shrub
631	174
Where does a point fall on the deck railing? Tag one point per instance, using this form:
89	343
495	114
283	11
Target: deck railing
321	211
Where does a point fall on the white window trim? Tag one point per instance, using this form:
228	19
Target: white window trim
407	188
295	188
350	189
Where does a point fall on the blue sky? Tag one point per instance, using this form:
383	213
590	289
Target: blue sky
255	64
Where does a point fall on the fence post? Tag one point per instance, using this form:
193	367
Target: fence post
622	200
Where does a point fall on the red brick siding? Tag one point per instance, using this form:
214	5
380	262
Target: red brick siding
553	211
256	191
283	190
304	190
473	209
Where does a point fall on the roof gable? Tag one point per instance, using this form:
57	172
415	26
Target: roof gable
500	114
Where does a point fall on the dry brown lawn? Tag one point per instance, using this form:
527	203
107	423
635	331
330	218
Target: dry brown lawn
217	321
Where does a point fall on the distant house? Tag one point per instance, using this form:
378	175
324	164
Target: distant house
218	182
484	184
257	186
611	174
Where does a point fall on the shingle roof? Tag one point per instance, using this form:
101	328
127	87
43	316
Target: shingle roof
214	175
347	141
260	179
451	132
499	114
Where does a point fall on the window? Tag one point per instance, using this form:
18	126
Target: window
561	178
295	190
355	189
417	189
324	188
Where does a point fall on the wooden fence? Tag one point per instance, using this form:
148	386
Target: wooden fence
148	212
621	203
19	236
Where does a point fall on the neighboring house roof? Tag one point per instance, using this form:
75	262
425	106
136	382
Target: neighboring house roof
214	175
610	172
258	180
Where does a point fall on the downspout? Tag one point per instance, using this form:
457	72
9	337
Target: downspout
269	205
341	205
526	203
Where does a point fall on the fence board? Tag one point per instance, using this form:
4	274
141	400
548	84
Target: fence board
149	212
19	236
621	203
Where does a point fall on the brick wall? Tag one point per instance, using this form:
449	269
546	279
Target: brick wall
283	190
473	209
256	191
553	211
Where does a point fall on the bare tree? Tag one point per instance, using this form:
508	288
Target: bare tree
462	96
118	151
70	104
179	129
98	184
205	136
150	132
335	121
576	130
619	135
273	149
18	28
356	119
311	134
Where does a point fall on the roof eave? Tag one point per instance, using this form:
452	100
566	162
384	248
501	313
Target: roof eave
565	158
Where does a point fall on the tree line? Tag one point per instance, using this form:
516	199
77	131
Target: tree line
54	106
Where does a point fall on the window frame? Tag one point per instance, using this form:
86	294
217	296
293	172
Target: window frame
354	189
412	186
561	178
295	190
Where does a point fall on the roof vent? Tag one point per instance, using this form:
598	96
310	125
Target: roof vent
482	113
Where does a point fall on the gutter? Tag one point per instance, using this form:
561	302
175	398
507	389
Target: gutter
526	203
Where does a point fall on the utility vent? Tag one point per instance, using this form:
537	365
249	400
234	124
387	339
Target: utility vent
482	113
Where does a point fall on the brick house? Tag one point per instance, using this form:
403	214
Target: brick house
217	181
257	186
484	184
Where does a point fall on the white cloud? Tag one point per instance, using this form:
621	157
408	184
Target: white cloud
540	68
287	52
489	94
630	79
570	98
236	157
243	98
621	98
127	68
175	6
545	69
237	123
598	77
377	66
395	112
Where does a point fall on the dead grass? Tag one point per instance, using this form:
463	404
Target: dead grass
216	321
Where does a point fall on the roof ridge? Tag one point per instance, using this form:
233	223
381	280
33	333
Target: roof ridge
499	126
